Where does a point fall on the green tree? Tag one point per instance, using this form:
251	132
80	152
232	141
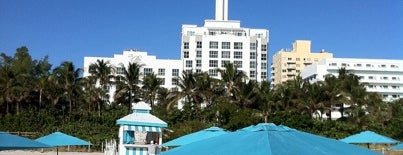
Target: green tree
151	86
67	76
127	87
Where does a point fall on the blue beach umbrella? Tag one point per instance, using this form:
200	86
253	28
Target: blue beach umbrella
13	142
196	136
57	139
397	147
368	137
269	139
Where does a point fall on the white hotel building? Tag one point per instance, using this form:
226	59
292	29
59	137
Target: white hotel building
221	41
165	69
203	49
381	75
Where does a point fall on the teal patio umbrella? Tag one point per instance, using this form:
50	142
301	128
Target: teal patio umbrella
57	139
13	142
397	147
196	136
269	139
368	137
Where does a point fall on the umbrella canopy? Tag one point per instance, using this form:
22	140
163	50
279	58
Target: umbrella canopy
13	142
196	136
61	139
269	139
368	137
397	147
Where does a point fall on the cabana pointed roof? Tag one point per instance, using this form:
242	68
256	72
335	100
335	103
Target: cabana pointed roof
141	117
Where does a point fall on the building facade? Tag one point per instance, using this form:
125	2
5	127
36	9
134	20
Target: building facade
203	49
221	41
165	69
380	75
287	64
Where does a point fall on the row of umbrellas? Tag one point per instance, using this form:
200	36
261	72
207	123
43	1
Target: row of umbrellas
56	139
270	139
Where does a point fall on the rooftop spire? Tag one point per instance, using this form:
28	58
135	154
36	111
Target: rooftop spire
221	10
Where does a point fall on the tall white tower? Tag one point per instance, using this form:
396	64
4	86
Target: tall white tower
221	41
221	10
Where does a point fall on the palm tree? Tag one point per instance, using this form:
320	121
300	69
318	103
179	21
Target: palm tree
67	76
151	86
102	71
231	77
127	88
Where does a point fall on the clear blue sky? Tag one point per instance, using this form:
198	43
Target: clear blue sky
72	29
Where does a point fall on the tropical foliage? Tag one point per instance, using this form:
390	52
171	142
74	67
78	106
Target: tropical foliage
35	97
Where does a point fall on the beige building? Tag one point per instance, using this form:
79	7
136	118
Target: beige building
287	64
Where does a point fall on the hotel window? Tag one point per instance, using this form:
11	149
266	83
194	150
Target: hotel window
213	45
237	45
394	78
213	63
361	77
198	71
198	63
263	65
237	55
371	86
343	65
316	59
333	64
252	55
148	71
263	75
199	44
252	64
394	87
264	56
213	54
238	64
394	66
385	78
358	65
289	59
284	71
189	63
297	59
264	47
162	81
120	70
383	66
223	62
198	54
395	96
185	54
161	71
175	72
368	65
225	54
371	77
213	72
252	46
252	74
226	45
186	45
385	87
175	81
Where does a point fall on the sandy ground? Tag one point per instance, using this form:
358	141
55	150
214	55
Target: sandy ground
47	153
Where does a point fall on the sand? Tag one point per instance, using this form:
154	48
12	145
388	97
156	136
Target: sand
47	153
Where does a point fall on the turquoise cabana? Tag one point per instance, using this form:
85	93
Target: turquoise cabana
140	132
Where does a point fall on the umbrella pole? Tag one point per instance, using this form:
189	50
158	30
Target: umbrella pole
57	150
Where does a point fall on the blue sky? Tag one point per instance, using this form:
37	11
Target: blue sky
72	29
